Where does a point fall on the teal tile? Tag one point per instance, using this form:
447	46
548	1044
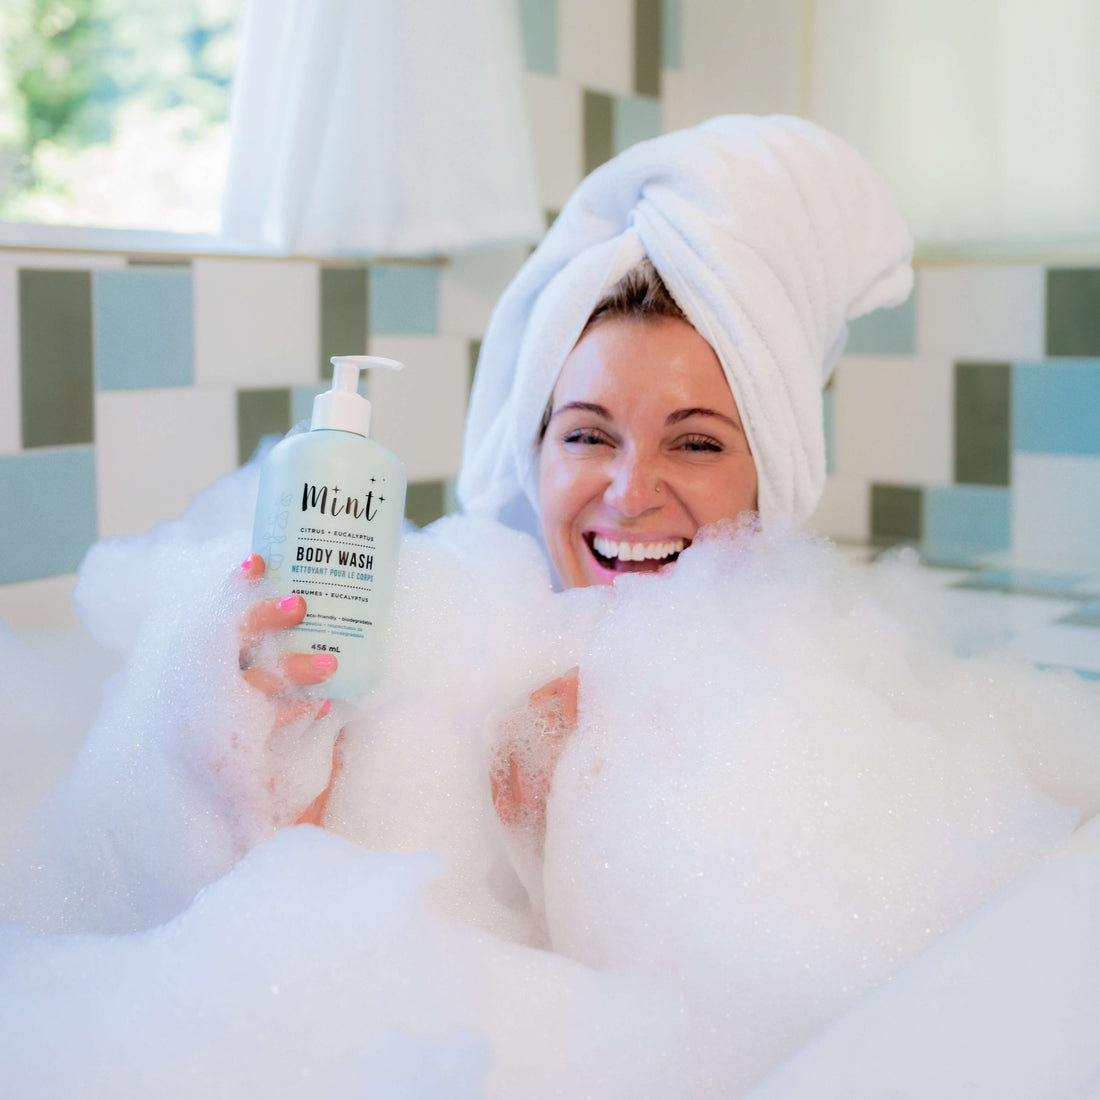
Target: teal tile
648	27
48	501
55	357
539	22
598	127
896	512
1087	614
829	409
1073	311
301	399
143	324
983	426
404	300
1056	407
634	119
671	19
425	502
343	314
968	517
1027	582
885	331
260	413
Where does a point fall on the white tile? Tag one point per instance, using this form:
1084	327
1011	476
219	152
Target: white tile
844	511
894	419
596	44
45	603
419	414
256	321
10	428
156	448
471	284
970	311
557	117
1056	510
81	261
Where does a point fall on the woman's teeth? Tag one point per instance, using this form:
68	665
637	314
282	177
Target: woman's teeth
637	551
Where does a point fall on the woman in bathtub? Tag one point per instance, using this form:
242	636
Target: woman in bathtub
655	367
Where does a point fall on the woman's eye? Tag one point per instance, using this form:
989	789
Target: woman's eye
584	436
700	443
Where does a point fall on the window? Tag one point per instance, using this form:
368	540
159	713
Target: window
114	112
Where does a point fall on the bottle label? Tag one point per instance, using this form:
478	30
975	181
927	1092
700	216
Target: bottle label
326	543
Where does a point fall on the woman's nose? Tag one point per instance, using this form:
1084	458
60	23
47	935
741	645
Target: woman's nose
634	484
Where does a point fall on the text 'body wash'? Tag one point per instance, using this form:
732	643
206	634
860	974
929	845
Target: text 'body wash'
328	526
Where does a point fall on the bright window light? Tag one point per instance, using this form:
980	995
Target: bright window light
114	112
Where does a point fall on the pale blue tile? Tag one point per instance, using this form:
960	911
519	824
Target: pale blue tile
539	21
971	517
885	331
142	324
670	33
635	118
404	300
1056	407
48	501
301	400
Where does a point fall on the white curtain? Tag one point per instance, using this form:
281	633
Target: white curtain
394	127
984	115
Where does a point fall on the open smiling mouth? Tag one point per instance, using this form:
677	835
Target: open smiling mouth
634	557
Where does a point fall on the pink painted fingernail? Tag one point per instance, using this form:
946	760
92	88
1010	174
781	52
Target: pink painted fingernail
324	660
326	706
247	563
289	604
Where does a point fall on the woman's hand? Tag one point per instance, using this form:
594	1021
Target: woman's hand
532	739
280	679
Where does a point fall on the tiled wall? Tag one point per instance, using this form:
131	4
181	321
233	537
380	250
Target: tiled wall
967	421
128	384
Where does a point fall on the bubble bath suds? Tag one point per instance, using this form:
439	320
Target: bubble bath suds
783	785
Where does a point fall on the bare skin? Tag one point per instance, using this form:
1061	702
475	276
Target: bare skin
295	670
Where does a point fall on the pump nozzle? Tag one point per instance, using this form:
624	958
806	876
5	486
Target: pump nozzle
342	408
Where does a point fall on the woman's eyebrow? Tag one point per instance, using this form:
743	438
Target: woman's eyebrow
584	406
683	414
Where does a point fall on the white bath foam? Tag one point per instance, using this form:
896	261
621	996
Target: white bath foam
780	792
476	624
317	968
50	685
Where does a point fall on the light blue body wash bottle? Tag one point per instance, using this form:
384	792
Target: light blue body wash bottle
328	524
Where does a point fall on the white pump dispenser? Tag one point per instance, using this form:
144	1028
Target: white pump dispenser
328	525
343	408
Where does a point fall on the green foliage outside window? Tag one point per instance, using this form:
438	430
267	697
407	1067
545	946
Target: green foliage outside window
113	112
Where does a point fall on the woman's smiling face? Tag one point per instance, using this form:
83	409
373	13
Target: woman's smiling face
644	446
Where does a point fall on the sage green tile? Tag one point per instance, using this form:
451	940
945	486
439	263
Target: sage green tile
260	413
635	118
983	419
598	129
1073	311
647	47
896	513
55	357
344	314
473	353
551	217
425	502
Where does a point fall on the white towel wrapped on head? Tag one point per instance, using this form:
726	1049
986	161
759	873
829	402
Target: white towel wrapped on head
770	234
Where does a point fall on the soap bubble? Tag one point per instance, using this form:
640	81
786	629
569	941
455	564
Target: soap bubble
785	782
